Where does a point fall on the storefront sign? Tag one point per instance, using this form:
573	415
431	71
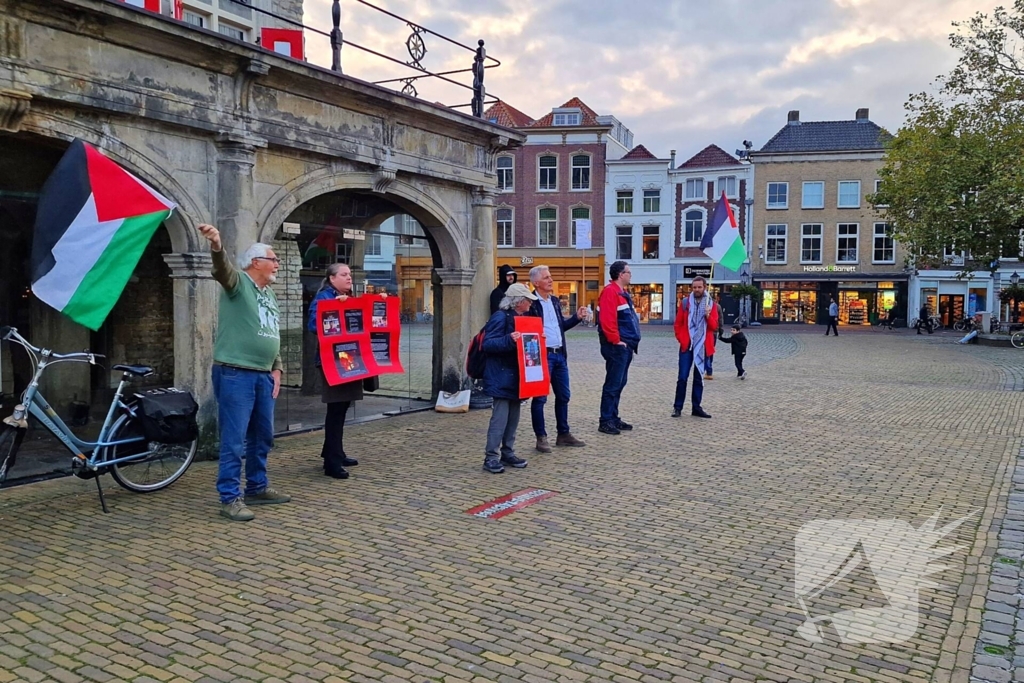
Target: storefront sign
830	269
526	261
694	271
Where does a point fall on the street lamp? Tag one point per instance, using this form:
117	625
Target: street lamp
1014	279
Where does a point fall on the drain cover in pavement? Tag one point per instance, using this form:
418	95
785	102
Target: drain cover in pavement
506	505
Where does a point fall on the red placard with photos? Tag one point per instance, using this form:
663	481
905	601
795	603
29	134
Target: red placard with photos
358	337
534	379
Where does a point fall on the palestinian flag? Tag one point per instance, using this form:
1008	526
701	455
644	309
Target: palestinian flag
323	246
722	242
93	223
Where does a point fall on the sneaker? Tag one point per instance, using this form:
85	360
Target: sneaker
267	496
568	439
743	375
699	412
493	465
624	426
236	511
542	444
608	428
676	412
513	461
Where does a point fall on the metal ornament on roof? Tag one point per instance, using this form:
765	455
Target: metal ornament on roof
410	88
416	47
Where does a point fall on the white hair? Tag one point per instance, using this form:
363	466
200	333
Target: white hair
537	272
509	303
258	250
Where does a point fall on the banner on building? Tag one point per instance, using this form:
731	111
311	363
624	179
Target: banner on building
359	337
533	357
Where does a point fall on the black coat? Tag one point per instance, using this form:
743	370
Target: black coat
566	324
498	293
738	342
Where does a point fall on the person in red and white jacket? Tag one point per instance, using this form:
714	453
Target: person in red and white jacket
619	331
695	327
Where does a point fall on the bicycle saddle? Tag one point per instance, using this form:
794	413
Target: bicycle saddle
140	370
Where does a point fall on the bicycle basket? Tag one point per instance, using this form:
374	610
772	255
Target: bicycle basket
167	415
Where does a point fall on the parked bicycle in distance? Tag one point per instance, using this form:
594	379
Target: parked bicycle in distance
127	446
967	325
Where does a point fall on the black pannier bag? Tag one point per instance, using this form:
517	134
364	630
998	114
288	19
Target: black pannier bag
167	415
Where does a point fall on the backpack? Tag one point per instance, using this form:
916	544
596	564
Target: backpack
475	358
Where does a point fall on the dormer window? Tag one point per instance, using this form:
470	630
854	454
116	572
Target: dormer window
567	117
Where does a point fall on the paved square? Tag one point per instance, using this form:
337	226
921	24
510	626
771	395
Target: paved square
667	554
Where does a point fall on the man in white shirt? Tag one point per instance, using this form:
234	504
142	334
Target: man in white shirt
549	308
833	318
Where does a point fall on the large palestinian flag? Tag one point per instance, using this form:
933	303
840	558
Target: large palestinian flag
722	242
93	223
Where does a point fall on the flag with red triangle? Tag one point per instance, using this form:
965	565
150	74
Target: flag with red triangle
93	222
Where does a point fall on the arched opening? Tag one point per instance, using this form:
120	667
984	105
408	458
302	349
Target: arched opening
138	330
388	251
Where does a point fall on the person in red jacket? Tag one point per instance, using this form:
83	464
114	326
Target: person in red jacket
695	327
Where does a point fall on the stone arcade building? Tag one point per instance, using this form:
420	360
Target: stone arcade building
240	137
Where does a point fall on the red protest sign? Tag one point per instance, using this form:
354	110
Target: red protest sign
358	337
533	357
385	330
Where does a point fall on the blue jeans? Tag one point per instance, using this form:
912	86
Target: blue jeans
558	369
685	363
246	415
616	374
708	364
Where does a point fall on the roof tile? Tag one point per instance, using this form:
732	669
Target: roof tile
828	136
589	115
711	156
504	114
639	152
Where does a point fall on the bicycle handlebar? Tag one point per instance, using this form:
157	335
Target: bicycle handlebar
11	334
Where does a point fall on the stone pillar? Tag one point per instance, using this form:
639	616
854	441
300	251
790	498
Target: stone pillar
236	213
196	300
456	327
483	255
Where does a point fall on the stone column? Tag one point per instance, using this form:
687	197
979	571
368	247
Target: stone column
456	327
196	299
236	212
484	242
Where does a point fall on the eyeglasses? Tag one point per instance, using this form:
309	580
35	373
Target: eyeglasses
268	258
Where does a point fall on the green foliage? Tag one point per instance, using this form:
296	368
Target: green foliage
741	290
952	177
1011	294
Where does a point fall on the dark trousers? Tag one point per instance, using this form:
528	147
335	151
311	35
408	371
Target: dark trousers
832	325
616	373
558	370
738	359
333	451
926	323
685	364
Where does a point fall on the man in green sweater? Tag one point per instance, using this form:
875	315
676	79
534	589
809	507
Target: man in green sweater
246	374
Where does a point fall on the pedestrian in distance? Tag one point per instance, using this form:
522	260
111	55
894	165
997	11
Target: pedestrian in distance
924	319
695	327
548	308
501	378
738	341
618	330
833	317
337	284
246	374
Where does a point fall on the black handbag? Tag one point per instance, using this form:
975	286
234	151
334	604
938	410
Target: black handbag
167	415
371	383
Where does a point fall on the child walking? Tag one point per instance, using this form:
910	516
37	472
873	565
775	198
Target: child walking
738	342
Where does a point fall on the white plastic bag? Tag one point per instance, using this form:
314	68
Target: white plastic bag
453	403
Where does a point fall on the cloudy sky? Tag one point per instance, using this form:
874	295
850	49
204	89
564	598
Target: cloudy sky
681	74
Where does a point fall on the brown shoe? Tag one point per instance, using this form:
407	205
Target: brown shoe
542	444
568	439
709	376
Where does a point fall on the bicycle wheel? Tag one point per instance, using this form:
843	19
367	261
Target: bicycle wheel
1017	340
959	326
153	466
10	441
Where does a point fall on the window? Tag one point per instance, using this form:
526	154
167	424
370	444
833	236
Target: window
506	174
651	239
579	213
728	185
846	242
342	252
884	247
581	172
548	177
373	244
778	196
567	119
505	230
849	194
652	201
548	227
624	201
695	188
230	31
624	243
810	243
813	195
693	226
195	19
952	256
775	243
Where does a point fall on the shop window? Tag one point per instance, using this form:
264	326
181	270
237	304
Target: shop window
581	172
775	243
580	213
853	308
648	300
652	201
778	196
624	201
798	306
547	179
813	195
506	174
846	242
693	226
884	247
547	227
651	237
624	243
505	227
695	189
810	243
849	194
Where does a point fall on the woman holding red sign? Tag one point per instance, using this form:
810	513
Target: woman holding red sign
336	285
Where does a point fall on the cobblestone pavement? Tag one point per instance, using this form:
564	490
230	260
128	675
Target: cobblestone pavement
668	553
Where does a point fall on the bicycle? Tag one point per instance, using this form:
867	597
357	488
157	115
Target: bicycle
1017	339
966	325
121	448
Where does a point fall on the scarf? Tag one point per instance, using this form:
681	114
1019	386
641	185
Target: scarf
697	325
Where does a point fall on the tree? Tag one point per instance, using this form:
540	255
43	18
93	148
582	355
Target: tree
952	177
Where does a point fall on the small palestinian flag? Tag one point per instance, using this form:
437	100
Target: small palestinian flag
722	242
93	223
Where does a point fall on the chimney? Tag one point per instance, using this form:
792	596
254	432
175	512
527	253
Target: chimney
862	115
794	118
672	156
